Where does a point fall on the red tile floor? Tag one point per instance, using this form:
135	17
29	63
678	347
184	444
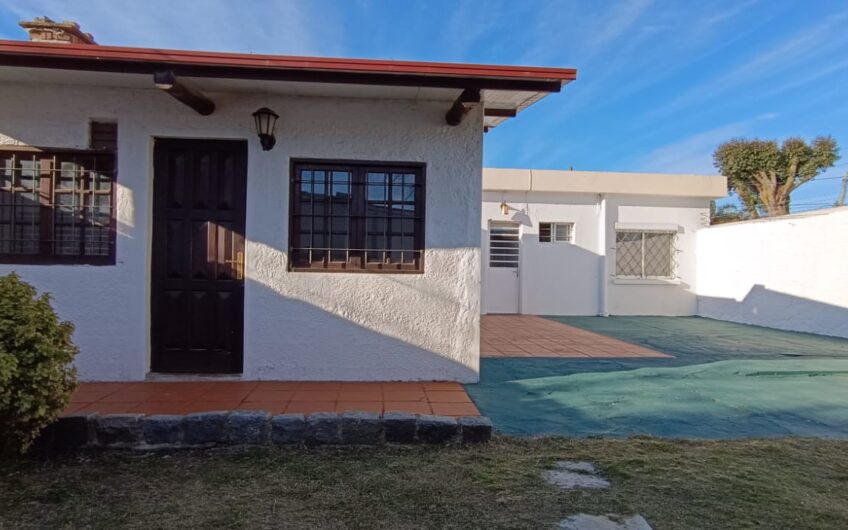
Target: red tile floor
532	336
276	397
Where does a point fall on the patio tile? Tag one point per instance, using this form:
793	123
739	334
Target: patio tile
161	408
455	409
405	395
360	406
315	395
277	385
270	396
320	385
362	387
411	407
439	396
533	336
101	387
89	396
109	408
210	406
360	395
275	397
224	394
439	385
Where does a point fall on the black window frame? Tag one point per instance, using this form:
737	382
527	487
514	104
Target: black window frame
356	258
49	165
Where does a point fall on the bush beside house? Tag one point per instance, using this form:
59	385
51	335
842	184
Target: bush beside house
36	376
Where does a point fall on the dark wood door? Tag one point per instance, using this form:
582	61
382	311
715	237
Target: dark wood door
197	298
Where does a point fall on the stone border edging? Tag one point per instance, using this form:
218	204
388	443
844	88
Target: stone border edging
243	427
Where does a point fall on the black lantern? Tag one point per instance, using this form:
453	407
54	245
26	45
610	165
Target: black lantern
266	121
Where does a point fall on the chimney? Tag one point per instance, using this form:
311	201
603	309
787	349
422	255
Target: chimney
42	29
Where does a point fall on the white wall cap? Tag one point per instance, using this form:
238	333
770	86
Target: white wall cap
620	183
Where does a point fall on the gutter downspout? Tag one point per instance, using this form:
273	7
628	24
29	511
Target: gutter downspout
602	253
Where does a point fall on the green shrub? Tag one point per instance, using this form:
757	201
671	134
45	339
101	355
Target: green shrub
36	376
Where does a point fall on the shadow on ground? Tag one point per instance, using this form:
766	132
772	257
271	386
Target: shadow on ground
726	380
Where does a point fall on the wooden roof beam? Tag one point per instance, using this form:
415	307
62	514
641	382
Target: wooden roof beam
466	101
168	82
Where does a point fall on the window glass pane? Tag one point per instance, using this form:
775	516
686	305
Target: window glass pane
628	254
562	232
659	255
545	232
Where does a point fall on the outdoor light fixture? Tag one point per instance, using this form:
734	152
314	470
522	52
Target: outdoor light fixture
504	208
266	121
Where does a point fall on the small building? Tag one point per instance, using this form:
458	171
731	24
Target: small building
592	243
271	217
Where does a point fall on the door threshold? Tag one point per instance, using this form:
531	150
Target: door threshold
176	377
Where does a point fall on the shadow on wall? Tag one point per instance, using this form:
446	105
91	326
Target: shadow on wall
773	309
361	326
302	341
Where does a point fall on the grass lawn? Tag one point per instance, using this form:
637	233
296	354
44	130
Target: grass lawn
774	483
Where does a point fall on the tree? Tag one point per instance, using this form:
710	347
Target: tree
727	213
764	174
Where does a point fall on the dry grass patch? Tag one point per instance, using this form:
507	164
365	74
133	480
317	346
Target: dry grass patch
780	483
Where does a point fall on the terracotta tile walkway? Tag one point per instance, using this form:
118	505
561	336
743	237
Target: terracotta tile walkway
276	397
532	336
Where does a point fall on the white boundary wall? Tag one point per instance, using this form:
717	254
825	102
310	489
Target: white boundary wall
297	325
788	272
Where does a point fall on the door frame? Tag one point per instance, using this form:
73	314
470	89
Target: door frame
239	144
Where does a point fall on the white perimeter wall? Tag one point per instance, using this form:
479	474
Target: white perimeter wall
566	279
297	325
787	273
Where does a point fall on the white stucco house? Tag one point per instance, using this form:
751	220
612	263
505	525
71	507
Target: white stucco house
141	188
593	243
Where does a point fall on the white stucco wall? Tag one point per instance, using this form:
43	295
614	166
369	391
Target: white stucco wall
297	325
787	272
566	279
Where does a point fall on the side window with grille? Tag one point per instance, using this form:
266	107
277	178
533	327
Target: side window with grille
645	254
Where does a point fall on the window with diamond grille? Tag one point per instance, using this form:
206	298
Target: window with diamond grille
357	218
556	232
645	254
57	207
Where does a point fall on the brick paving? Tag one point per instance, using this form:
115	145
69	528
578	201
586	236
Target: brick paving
532	336
275	397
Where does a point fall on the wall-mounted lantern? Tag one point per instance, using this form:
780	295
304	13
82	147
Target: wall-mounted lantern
505	208
266	121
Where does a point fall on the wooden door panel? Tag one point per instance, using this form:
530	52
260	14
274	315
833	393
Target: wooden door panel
197	297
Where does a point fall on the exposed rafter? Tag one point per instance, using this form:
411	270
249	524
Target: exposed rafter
168	82
500	113
466	101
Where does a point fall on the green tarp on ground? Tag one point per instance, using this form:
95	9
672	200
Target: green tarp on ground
726	381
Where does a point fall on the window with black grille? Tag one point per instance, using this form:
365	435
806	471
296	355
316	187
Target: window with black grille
57	207
556	232
645	254
357	217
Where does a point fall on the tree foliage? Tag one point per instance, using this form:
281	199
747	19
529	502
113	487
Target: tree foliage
764	174
36	376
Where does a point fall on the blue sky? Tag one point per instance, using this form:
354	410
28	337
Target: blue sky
660	83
